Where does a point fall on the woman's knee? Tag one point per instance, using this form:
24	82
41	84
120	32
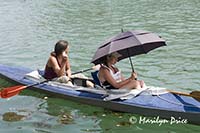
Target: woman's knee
136	84
132	85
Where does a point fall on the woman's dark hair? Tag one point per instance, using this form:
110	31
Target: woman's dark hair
60	47
104	60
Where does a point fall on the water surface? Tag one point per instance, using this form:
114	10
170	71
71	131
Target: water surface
29	30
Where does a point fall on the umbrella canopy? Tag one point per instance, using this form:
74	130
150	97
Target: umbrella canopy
128	44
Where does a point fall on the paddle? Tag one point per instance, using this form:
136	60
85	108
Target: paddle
194	94
14	90
89	69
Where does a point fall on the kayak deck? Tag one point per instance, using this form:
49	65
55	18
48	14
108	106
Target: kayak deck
166	105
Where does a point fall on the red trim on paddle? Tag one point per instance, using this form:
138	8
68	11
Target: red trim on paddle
11	91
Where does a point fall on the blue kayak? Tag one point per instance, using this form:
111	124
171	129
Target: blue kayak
165	106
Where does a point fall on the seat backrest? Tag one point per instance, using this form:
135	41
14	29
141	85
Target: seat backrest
95	78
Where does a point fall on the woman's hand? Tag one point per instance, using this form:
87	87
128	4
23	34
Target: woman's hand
65	56
134	76
64	59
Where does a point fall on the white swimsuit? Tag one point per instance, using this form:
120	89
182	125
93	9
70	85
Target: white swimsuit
116	76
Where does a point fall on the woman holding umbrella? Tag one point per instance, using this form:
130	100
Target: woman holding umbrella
129	43
111	77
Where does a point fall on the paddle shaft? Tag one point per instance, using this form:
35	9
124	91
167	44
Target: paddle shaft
82	71
179	93
39	83
194	94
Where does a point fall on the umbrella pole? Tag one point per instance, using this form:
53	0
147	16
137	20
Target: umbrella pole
130	60
131	64
122	30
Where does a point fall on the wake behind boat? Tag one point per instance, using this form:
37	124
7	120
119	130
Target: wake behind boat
165	105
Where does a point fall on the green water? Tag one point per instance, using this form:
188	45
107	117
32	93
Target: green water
29	30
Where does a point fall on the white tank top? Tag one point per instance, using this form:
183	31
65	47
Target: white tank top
116	76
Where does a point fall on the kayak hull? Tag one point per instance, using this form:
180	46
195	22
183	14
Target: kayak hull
184	108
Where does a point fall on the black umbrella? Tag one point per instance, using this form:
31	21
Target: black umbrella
128	44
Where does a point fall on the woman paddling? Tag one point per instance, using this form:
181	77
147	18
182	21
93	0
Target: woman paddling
111	77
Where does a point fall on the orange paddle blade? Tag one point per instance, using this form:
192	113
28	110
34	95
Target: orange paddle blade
11	91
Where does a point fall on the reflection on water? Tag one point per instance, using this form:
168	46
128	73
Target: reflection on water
45	115
29	30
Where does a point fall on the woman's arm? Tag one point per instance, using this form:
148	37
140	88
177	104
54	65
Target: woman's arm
68	69
109	78
59	70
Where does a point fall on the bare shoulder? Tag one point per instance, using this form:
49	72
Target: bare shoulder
102	68
52	57
103	71
52	60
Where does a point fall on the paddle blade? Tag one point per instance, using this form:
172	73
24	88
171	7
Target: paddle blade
11	91
195	95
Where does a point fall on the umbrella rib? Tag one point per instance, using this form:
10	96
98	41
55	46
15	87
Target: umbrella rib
140	44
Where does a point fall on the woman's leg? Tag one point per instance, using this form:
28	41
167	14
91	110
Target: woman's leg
89	84
65	79
82	76
142	84
134	84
